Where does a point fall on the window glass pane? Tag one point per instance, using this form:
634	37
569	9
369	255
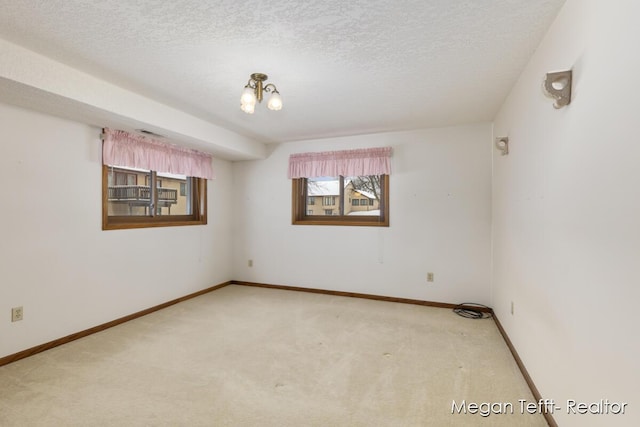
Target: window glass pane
350	201
125	197
365	192
136	198
326	191
129	193
171	199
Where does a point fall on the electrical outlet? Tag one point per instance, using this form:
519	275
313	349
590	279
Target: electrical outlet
16	314
429	277
250	263
512	308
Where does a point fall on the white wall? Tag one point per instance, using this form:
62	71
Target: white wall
440	213
567	213
56	261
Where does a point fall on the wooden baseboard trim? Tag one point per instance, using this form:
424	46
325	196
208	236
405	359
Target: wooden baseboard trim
534	390
55	343
358	295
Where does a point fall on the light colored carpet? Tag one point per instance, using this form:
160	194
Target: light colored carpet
243	356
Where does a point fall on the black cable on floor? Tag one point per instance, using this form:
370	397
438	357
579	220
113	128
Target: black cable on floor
466	310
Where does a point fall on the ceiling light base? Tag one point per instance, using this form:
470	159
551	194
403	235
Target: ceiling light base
259	77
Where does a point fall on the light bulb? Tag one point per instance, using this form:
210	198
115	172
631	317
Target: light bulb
248	108
275	101
248	96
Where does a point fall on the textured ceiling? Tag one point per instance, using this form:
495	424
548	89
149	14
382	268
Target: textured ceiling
342	67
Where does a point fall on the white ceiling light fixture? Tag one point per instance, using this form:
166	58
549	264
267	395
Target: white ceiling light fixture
253	91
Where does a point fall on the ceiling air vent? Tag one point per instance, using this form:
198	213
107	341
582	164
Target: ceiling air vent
148	132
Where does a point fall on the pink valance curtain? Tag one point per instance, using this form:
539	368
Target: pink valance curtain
122	148
360	162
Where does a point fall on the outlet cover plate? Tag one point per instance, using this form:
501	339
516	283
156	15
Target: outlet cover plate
16	314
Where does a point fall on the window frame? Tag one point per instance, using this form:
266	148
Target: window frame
299	214
198	202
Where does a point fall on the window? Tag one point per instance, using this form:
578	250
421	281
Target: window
312	201
174	200
371	212
147	180
329	201
175	182
123	178
354	183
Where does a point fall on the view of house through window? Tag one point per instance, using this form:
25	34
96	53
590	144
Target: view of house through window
129	193
341	200
358	195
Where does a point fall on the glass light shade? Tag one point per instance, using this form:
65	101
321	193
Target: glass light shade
248	108
248	96
275	102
